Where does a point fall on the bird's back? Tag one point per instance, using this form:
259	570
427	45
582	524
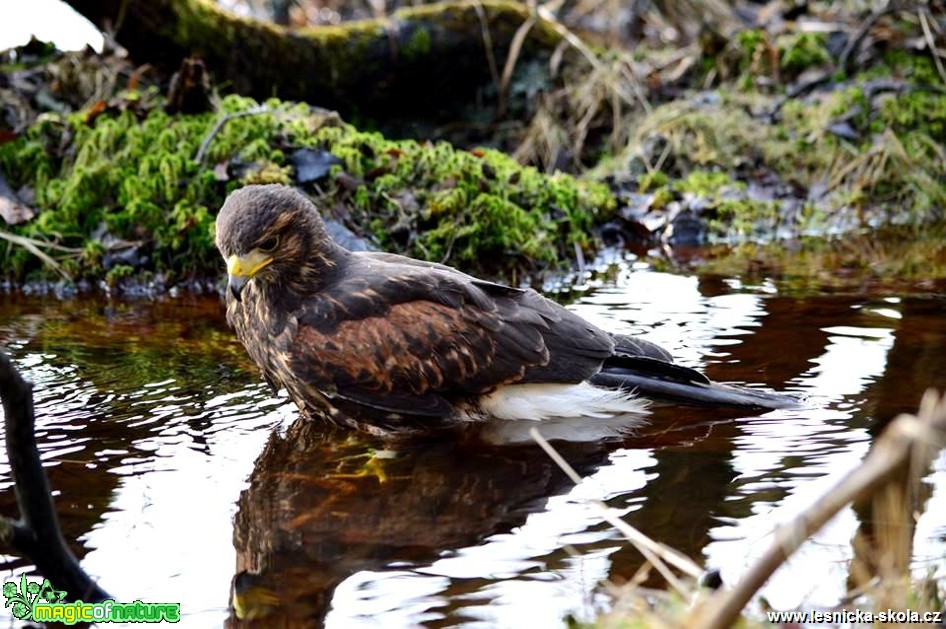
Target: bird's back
399	340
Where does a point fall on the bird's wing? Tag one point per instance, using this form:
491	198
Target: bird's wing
406	338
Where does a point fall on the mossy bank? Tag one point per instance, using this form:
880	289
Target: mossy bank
125	190
757	161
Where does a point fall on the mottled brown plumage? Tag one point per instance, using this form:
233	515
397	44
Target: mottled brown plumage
385	343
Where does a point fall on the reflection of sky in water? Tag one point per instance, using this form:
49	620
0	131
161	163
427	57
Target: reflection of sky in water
807	455
853	359
669	310
929	547
802	454
177	509
166	536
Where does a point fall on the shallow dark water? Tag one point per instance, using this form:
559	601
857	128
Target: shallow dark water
174	468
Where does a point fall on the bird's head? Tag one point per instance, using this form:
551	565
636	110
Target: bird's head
273	234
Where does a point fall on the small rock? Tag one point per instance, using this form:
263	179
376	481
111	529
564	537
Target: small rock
312	164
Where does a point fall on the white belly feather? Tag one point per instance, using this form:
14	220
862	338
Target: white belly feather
540	402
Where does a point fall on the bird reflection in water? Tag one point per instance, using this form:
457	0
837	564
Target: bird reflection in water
323	504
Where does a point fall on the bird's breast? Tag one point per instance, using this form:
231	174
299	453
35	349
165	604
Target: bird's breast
266	333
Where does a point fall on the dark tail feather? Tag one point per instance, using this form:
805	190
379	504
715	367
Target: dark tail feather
656	378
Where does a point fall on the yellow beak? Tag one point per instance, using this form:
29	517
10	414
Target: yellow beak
241	269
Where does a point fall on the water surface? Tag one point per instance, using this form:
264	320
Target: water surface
175	469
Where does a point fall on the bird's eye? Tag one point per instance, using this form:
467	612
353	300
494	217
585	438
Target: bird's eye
269	244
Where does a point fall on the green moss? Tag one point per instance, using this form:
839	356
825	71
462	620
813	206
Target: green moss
652	180
751	42
801	51
916	112
743	219
754	54
753	58
702	182
661	198
268	172
117	273
135	176
852	104
875	156
418	45
469	207
729	213
904	65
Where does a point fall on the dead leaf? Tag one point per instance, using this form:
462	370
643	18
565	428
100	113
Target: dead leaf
12	210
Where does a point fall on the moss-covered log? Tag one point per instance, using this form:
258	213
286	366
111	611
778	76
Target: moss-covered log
415	59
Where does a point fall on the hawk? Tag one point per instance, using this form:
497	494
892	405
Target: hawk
388	344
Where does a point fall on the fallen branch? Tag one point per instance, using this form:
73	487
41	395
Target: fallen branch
908	440
36	535
428	56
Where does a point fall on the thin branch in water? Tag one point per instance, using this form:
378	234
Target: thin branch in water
659	555
37	535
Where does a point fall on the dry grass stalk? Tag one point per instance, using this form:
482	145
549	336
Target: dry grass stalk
660	556
909	441
205	145
33	246
488	45
888	477
515	48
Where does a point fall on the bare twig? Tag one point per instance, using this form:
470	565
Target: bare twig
45	244
487	43
33	246
659	555
515	47
576	43
37	535
580	258
928	34
844	60
202	151
908	440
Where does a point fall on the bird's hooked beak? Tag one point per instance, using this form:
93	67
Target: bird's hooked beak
241	269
